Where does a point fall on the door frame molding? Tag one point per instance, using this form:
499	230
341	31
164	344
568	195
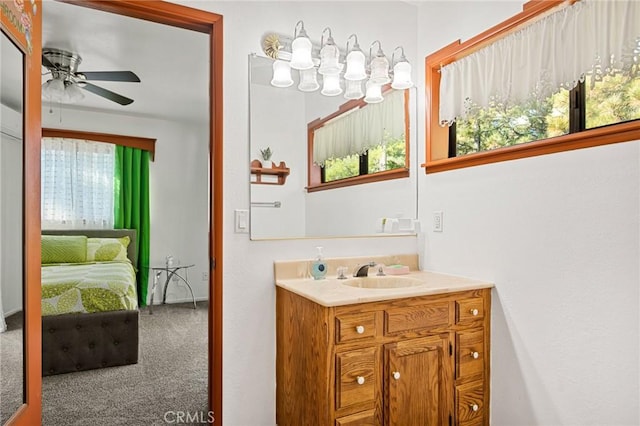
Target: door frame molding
209	23
29	41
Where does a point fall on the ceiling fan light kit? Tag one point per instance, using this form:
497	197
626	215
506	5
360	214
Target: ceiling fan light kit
66	81
310	60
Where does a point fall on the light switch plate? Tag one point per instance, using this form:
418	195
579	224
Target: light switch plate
437	221
241	217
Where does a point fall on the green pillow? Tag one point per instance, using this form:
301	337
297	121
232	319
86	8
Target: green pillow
64	249
107	249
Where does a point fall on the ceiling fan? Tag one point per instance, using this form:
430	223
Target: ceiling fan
66	78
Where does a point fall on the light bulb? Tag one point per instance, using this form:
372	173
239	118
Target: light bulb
374	93
308	80
53	90
402	76
329	57
72	94
281	74
355	66
353	89
331	85
301	53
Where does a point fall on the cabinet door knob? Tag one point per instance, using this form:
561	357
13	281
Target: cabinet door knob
360	329
474	407
396	375
474	312
360	380
475	355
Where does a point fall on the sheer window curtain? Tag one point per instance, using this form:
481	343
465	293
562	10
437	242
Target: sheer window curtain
77	184
589	39
361	129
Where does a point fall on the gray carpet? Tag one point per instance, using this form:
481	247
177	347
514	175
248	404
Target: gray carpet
171	375
11	367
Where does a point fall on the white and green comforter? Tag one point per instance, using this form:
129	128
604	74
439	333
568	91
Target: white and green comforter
88	287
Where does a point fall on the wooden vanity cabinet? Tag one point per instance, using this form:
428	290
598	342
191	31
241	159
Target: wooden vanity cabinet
404	362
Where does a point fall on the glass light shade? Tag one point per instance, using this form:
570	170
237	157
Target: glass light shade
353	89
281	74
53	90
331	85
402	76
374	93
329	57
380	70
72	93
308	80
355	66
301	54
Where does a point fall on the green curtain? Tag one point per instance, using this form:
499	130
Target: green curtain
131	206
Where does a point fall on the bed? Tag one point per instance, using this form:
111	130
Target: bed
89	305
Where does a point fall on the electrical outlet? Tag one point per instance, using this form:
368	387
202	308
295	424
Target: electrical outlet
205	276
437	221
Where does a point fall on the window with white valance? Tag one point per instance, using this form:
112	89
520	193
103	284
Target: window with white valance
588	39
77	183
361	129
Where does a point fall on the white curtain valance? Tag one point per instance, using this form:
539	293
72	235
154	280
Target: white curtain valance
597	37
77	183
360	130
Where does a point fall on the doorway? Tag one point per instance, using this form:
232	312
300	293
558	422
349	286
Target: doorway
210	24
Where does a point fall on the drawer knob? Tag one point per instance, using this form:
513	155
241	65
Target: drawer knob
474	312
360	329
396	375
474	407
475	355
360	380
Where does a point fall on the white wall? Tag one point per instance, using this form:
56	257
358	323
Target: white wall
178	180
559	236
249	292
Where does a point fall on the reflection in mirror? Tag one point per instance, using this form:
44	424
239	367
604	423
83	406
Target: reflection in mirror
11	244
284	208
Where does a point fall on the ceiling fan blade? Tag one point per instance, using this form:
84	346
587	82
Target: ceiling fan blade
127	76
47	63
108	94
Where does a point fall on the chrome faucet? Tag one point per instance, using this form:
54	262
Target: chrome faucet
363	270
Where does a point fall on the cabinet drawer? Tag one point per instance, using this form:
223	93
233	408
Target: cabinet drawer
365	418
409	318
356	377
355	326
469	309
470	404
469	353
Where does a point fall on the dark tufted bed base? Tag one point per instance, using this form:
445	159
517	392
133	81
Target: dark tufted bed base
76	342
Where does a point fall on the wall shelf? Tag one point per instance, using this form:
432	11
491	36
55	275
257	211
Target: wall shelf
281	171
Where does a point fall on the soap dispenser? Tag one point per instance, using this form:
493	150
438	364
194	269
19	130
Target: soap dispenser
318	266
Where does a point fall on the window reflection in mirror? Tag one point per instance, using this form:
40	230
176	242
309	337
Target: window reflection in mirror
11	244
279	119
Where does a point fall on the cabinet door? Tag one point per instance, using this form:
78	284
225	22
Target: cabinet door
418	382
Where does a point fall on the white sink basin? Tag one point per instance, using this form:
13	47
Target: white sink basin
387	281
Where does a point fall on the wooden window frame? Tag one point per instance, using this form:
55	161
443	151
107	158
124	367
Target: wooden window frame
314	172
146	144
437	137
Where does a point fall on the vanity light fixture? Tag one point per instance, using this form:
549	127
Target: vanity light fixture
324	60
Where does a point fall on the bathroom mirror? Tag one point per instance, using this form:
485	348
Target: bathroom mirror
278	121
11	229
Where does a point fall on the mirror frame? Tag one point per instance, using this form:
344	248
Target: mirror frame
30	44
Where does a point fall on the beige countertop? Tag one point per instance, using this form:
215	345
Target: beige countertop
333	292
